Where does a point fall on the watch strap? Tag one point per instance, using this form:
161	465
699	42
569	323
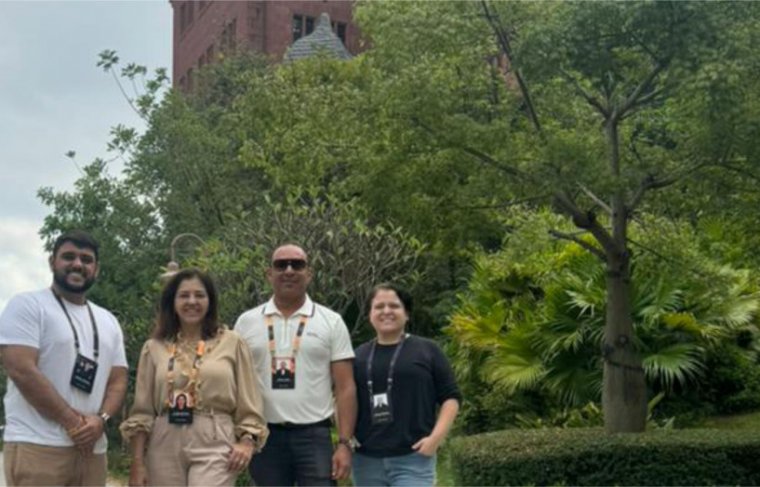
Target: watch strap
347	442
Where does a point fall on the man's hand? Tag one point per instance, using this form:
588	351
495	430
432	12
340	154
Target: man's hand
88	432
341	462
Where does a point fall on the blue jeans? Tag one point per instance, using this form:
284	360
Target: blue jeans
413	470
301	455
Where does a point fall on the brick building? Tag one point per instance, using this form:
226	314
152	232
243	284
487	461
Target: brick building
203	29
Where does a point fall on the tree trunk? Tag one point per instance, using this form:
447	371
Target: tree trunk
624	399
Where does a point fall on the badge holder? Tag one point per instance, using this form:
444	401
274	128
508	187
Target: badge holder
283	373
181	409
83	375
380	409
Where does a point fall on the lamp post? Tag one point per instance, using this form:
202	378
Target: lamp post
173	267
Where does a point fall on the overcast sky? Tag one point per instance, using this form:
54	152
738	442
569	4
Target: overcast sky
54	99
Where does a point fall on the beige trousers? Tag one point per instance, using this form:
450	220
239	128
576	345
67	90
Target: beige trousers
194	454
30	464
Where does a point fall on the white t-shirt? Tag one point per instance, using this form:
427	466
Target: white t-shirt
35	319
325	340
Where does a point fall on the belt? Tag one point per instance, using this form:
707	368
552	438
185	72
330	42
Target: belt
325	423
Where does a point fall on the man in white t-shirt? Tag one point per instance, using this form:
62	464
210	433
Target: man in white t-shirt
314	341
67	374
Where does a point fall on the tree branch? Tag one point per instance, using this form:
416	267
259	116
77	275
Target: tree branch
567	236
651	182
506	49
683	264
485	158
636	94
586	96
586	221
481	156
596	199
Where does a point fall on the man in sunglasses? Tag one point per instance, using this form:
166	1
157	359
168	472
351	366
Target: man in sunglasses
314	341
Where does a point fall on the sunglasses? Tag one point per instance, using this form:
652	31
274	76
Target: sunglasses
283	264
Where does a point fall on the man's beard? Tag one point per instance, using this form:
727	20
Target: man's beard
60	279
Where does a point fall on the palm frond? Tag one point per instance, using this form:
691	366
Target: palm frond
674	364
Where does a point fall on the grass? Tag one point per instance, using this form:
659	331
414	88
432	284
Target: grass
749	421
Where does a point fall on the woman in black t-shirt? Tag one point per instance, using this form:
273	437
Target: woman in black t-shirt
401	380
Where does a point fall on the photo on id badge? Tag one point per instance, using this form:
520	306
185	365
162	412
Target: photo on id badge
381	409
283	373
181	408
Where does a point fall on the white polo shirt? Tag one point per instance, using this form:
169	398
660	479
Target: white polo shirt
35	319
325	340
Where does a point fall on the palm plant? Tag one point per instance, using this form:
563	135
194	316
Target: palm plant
536	314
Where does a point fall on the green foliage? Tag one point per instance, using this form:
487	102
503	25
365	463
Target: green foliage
532	318
588	456
457	112
348	256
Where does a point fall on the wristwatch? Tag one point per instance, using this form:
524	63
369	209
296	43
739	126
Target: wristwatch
349	443
105	417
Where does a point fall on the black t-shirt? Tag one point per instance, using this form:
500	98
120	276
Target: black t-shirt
422	380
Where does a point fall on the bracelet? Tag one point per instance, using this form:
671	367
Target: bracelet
250	437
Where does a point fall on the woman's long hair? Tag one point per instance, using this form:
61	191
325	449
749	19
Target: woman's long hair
167	322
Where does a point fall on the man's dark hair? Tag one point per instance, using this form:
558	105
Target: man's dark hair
80	238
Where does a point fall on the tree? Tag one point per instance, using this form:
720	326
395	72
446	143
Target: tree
348	255
594	106
533	316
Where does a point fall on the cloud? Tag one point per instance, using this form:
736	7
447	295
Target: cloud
53	98
23	261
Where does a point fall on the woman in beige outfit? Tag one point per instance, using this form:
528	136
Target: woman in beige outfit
197	415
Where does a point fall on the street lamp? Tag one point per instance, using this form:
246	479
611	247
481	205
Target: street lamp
173	267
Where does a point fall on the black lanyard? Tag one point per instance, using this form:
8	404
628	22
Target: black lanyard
96	345
390	367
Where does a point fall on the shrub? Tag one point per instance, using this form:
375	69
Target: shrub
588	456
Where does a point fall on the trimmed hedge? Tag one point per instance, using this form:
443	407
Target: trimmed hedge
588	456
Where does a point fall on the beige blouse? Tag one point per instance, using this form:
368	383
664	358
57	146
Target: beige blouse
226	383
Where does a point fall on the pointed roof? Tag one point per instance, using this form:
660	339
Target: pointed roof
323	39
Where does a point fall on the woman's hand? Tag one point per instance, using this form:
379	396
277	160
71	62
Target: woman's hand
138	474
427	446
240	455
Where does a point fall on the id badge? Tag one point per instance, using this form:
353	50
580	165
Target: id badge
380	410
181	410
283	373
83	375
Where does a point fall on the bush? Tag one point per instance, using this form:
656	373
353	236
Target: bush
588	456
733	384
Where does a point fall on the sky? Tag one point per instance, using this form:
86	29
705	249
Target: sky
54	99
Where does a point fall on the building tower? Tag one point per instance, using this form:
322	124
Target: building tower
204	29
